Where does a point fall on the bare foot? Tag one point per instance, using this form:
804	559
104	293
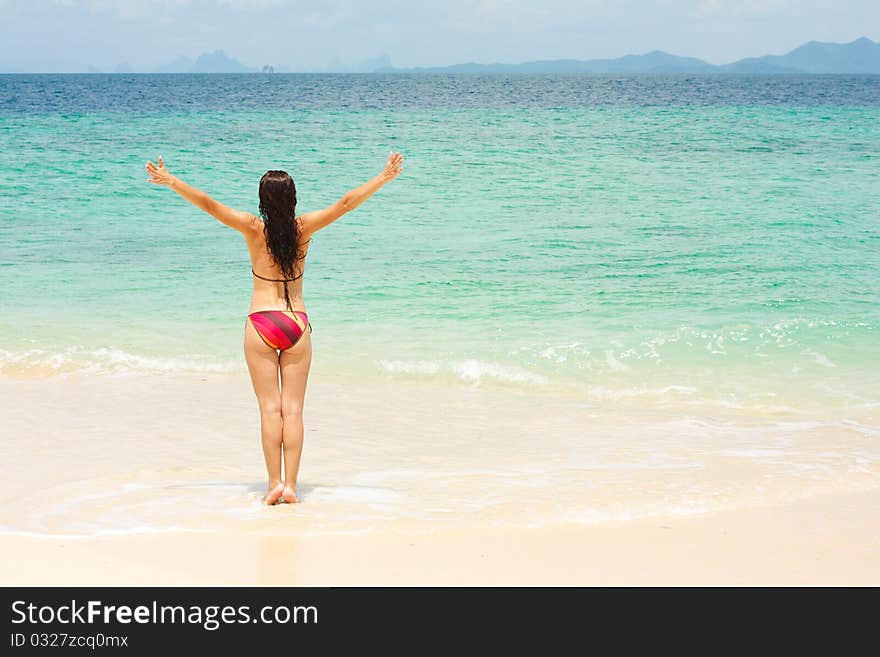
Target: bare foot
289	496
274	494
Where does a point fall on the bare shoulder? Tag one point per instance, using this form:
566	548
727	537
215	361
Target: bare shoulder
302	222
251	225
303	228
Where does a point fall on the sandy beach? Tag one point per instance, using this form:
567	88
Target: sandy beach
153	479
832	541
613	323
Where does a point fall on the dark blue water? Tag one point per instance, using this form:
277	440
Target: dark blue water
155	93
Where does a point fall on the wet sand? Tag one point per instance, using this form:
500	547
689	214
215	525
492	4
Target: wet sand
136	479
829	541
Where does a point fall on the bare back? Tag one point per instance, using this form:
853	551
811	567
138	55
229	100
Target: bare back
269	295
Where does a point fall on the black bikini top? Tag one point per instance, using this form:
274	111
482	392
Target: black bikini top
276	280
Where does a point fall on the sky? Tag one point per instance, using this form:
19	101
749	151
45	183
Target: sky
295	35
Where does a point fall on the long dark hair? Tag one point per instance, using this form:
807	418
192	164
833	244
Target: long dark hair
278	209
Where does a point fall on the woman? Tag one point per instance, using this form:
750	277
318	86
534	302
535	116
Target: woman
276	339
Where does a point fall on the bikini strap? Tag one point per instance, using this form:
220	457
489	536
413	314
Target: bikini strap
276	280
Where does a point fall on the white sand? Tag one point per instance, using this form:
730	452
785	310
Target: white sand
136	479
829	541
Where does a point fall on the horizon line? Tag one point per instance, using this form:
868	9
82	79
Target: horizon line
431	69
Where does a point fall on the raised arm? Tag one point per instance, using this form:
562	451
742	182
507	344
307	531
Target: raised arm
241	221
318	219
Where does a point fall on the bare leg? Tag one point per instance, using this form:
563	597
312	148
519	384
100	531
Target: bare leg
263	366
295	363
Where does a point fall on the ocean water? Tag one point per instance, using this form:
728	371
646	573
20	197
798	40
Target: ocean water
670	239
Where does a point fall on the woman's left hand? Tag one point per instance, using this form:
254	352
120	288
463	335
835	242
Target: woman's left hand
159	175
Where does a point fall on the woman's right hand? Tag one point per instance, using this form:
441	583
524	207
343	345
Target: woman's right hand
393	167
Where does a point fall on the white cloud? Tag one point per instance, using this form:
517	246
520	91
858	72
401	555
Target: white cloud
520	15
739	8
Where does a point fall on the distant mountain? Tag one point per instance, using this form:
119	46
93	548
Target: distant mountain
860	56
219	62
209	62
367	65
758	66
179	65
652	62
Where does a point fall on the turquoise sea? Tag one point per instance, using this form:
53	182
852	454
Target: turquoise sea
673	238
